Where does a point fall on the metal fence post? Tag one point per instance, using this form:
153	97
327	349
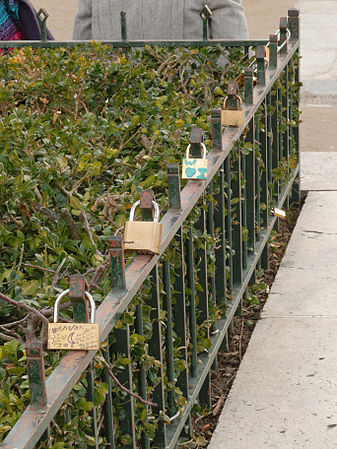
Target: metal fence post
216	130
248	85
173	178
261	61
36	374
116	252
284	34
294	23
273	47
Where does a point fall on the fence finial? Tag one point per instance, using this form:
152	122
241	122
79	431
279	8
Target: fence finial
36	374
205	14
42	17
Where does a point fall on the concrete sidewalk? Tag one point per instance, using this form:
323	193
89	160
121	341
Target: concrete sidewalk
284	396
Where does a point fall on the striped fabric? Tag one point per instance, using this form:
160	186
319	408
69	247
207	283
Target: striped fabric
9	20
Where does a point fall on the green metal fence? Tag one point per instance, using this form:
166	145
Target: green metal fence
251	170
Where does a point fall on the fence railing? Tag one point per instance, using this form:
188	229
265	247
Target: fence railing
227	219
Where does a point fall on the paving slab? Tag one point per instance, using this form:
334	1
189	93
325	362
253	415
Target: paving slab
318	170
285	394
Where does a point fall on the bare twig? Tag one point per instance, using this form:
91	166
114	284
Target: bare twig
37	267
116	381
6	337
22	305
218	405
14	323
48	213
98	274
87	228
12	333
57	273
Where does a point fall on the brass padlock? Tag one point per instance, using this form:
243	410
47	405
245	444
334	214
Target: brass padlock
79	336
195	168
279	213
231	117
143	236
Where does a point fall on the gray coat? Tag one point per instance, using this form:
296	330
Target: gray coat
158	19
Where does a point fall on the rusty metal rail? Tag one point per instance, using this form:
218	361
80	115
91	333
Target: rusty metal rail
231	174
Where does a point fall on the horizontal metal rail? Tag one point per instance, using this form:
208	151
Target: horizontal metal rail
34	421
138	43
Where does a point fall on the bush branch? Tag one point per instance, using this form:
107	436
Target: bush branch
116	381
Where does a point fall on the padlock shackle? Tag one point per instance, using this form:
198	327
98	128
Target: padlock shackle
238	98
156	211
203	147
65	293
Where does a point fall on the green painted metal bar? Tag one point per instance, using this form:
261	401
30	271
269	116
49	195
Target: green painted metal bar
228	223
269	150
293	23
139	326
203	315
116	252
211	232
283	34
257	149
107	407
296	192
237	218
220	251
171	406
42	17
124	31
205	14
249	86
216	130
180	321
261	65
192	304
127	425
173	178
273	51
250	220
243	205
275	140
265	174
36	373
155	350
137	43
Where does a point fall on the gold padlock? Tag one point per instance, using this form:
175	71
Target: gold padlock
230	117
143	236
73	336
195	168
279	213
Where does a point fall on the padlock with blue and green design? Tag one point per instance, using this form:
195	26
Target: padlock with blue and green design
195	168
